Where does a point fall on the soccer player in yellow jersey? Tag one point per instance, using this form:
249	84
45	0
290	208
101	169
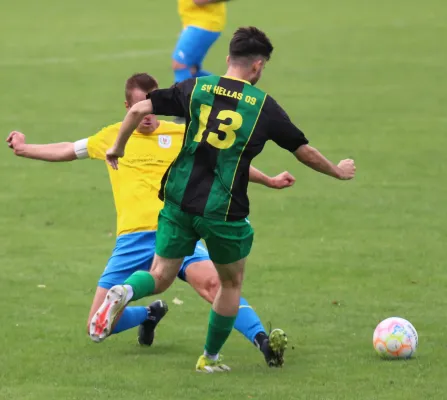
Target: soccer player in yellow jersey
152	148
203	22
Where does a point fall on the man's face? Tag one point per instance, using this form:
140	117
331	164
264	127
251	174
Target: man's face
149	122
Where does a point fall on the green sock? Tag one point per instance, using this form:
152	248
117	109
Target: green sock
143	284
219	328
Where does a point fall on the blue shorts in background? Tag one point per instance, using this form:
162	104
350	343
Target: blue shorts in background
135	252
193	44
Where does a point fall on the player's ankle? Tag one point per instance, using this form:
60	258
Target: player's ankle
213	357
260	338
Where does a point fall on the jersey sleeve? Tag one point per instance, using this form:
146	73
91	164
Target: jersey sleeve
98	144
281	129
173	101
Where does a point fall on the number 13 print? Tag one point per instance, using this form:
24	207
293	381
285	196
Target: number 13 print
228	129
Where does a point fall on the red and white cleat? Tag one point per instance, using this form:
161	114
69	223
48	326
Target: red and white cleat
103	321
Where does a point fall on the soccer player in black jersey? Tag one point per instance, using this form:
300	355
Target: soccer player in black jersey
228	122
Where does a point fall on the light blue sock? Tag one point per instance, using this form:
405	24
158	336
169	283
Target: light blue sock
131	317
202	72
181	75
247	321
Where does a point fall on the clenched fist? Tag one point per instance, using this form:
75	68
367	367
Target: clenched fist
347	169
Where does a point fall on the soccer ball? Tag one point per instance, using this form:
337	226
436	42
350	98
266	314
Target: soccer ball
395	338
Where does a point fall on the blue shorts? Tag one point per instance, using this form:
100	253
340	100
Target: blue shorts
135	252
192	46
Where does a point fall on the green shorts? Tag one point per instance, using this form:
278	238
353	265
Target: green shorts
178	233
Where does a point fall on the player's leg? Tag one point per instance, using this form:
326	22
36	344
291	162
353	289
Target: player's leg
207	40
228	244
133	252
203	277
181	56
140	284
222	316
130	318
190	51
198	270
176	239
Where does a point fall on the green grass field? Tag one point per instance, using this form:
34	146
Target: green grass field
362	79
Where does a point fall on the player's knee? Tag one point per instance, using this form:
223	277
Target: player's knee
232	282
210	288
176	65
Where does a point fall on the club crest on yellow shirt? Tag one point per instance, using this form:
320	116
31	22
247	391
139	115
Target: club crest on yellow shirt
164	141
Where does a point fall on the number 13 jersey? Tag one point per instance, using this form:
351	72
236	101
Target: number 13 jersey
228	122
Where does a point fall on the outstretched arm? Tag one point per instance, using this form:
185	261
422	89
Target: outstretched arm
52	152
280	181
311	157
284	133
130	123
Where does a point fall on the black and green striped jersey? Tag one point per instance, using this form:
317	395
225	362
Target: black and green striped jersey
228	122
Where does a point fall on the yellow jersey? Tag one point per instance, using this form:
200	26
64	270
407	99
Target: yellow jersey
211	17
136	183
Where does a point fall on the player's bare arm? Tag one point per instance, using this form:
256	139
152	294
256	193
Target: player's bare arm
281	181
52	152
133	118
311	157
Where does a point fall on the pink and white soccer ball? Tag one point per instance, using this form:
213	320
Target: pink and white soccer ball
395	338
